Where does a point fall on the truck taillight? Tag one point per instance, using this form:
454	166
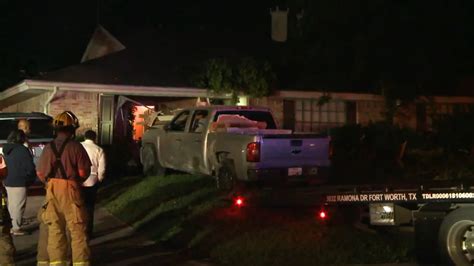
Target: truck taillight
253	152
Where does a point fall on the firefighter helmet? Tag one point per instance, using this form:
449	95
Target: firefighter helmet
66	119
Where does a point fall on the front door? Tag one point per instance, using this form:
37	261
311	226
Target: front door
106	119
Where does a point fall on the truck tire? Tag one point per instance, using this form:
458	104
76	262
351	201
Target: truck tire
226	177
150	163
456	237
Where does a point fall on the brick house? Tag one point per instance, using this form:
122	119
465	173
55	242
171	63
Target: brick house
109	70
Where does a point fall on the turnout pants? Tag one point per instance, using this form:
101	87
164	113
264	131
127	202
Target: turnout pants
42	257
64	210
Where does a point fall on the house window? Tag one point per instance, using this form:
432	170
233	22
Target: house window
439	111
312	117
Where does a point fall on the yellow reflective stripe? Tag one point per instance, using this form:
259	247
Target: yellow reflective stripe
58	262
80	263
42	262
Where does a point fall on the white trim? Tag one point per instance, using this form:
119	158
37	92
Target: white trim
12	91
123	89
39	87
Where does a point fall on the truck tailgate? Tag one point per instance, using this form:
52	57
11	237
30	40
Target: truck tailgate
294	150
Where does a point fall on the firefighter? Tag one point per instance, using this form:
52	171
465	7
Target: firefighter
7	249
63	166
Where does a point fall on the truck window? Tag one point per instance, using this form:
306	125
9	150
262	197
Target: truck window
259	116
179	123
39	128
200	121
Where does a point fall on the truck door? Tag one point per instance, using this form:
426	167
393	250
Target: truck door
194	150
171	142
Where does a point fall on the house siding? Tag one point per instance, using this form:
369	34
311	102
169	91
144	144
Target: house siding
371	108
34	104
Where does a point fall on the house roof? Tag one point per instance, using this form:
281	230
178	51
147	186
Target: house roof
101	43
160	58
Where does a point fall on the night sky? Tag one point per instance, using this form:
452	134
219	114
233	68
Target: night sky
343	43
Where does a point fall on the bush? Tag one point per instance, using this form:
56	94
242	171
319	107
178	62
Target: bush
455	132
369	153
436	164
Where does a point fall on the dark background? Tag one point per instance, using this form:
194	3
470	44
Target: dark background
419	46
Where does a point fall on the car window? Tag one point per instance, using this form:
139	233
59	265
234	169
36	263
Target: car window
200	121
39	128
179	123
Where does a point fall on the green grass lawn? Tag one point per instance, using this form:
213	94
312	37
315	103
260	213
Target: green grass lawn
186	212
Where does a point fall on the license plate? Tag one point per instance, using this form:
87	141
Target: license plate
295	171
382	214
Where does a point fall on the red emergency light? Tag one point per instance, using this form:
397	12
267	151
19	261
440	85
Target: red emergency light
322	214
239	201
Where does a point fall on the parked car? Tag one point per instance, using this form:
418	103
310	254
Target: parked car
40	130
234	143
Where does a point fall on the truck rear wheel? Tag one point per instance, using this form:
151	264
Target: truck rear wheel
456	237
151	165
226	180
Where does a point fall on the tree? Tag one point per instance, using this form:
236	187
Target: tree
247	77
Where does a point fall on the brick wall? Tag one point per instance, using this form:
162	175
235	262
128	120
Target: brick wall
275	105
405	117
370	111
169	104
83	104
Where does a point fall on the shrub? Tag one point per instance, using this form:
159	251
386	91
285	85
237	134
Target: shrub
455	132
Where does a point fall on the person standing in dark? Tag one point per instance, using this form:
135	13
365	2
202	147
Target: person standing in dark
90	186
21	174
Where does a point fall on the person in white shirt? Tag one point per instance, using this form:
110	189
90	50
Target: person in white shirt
90	186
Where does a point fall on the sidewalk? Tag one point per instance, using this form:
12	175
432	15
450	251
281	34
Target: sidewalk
115	243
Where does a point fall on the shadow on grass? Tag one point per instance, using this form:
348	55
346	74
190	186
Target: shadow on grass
132	207
170	225
111	191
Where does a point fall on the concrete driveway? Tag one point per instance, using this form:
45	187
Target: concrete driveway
115	243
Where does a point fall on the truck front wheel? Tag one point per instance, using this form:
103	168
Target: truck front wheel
456	237
151	165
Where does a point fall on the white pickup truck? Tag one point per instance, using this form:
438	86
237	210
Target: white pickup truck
234	143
